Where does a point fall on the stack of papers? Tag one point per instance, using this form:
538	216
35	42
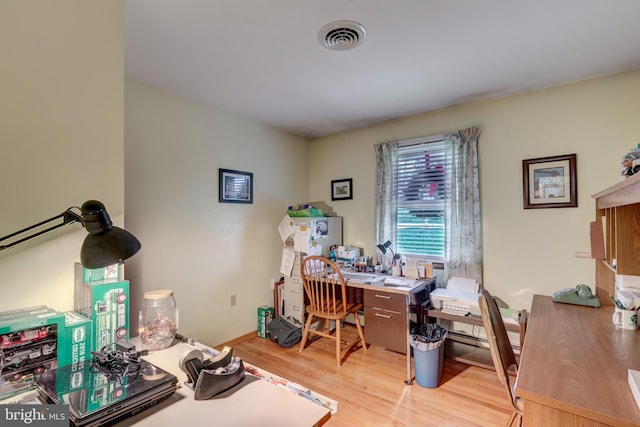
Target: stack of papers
462	284
360	277
456	311
399	281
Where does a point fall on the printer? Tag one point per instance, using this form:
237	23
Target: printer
460	297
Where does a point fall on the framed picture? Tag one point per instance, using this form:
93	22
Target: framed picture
550	182
235	186
342	189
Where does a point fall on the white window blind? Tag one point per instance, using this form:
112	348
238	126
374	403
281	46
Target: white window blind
420	174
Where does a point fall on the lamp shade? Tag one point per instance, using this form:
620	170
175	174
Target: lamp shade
383	247
105	244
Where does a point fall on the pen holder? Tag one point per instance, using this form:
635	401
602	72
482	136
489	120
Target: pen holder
625	319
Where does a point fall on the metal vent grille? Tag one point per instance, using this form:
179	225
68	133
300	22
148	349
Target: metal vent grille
342	35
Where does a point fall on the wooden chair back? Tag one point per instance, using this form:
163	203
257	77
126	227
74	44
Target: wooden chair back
502	353
324	287
326	291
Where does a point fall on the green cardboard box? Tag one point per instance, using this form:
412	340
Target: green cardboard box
105	303
73	334
111	273
74	339
265	315
29	345
23	312
107	307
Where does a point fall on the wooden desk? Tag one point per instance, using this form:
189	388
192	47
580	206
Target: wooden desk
388	320
573	369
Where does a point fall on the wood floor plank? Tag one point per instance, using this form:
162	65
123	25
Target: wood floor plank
370	389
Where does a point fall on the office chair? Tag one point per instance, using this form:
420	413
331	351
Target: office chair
326	290
501	352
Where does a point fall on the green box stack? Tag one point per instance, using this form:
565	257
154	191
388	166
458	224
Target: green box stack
265	314
74	339
30	343
104	299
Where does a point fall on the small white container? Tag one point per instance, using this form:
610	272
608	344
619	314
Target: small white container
158	320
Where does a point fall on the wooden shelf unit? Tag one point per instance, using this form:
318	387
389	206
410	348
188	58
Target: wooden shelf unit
618	209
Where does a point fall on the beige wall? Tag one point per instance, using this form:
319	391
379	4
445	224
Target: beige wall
61	135
525	251
61	117
205	250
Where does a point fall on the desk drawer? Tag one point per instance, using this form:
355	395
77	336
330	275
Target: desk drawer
386	300
386	328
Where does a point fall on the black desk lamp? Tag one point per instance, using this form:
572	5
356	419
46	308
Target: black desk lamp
387	246
384	246
104	245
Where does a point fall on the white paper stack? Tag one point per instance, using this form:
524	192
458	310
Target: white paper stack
462	284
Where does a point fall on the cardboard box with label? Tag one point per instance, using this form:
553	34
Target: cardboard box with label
265	315
105	302
74	339
29	345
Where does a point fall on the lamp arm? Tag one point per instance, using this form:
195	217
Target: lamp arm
68	217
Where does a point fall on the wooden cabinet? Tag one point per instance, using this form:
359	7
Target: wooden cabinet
618	213
385	319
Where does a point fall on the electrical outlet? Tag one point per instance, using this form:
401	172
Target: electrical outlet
233	300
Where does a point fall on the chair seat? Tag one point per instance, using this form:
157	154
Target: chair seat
324	312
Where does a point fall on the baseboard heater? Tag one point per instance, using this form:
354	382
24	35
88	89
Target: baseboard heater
462	338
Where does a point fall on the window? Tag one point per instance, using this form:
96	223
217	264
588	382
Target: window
420	173
427	200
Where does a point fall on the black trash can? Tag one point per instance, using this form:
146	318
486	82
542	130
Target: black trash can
428	353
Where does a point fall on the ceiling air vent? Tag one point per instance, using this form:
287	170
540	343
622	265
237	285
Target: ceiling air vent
342	35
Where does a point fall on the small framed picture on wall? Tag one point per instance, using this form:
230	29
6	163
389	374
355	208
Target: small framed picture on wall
235	186
342	189
550	182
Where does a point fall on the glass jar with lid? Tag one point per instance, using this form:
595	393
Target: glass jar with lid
158	320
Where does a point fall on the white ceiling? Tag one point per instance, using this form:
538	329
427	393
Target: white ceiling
262	59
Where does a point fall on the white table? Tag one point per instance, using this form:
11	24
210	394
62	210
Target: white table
258	403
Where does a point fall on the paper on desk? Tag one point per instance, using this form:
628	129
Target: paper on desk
316	398
286	228
462	284
288	259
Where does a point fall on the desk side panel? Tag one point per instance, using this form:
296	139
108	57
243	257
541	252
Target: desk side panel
540	415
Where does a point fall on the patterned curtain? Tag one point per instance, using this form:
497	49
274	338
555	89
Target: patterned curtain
386	194
463	220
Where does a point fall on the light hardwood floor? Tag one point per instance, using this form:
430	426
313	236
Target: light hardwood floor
370	390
